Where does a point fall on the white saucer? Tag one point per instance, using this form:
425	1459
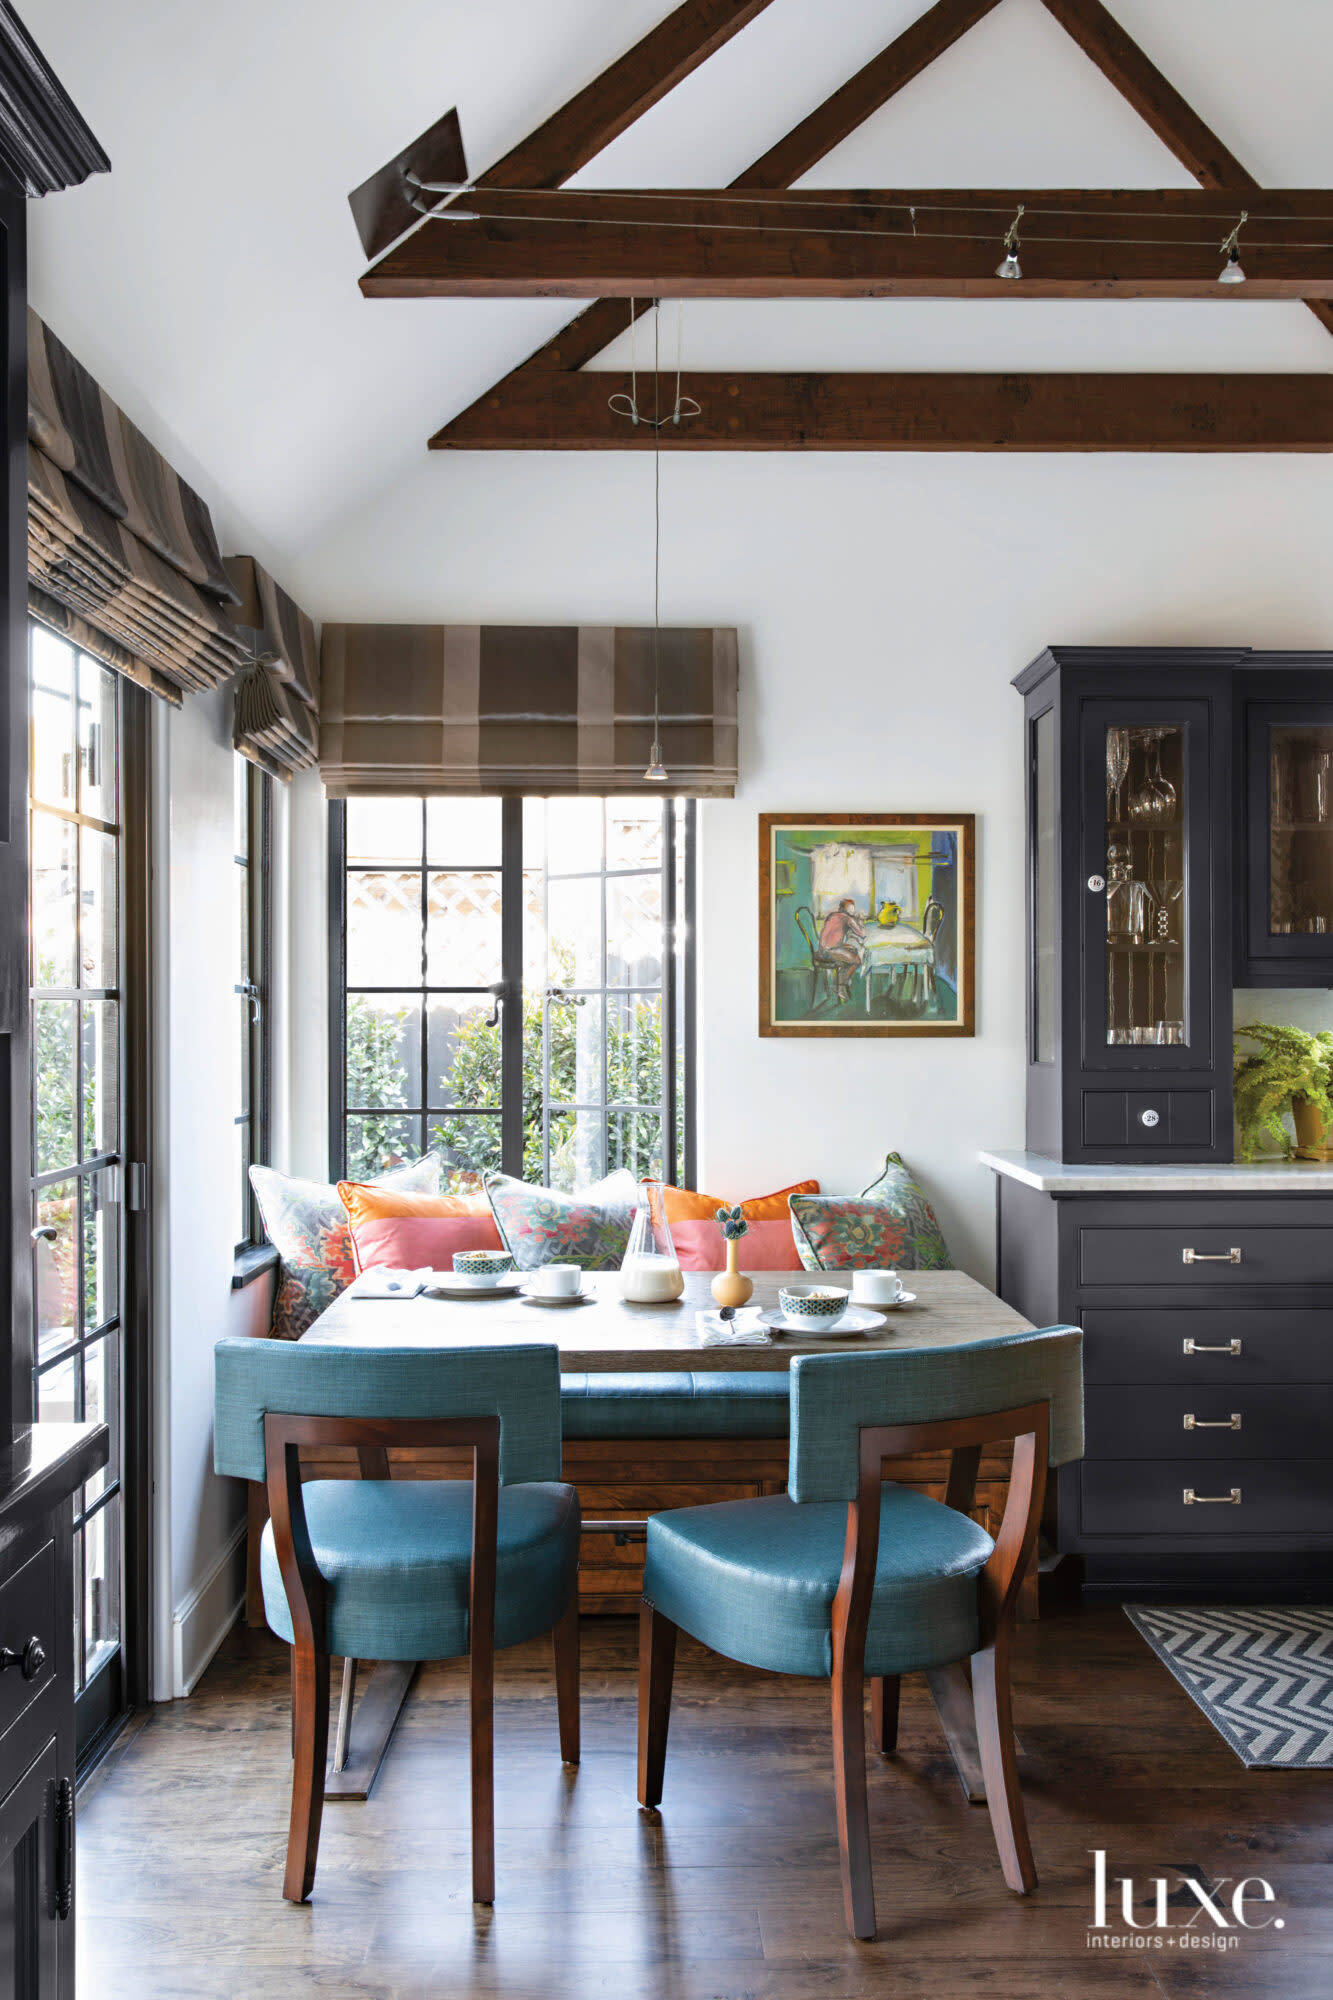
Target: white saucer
856	1319
449	1288
892	1305
557	1298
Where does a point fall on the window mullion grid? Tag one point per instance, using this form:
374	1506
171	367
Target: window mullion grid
423	1084
606	1017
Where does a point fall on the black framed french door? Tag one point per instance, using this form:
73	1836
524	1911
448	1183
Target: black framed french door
511	984
88	838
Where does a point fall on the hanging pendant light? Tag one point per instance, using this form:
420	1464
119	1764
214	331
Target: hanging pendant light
1009	266
656	773
1231	273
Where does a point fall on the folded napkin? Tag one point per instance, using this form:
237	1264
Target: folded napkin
383	1281
746	1329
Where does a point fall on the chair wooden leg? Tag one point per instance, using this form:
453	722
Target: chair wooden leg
310	1725
884	1693
657	1660
849	1787
995	1741
565	1644
482	1693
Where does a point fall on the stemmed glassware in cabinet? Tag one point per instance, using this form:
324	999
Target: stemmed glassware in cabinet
1155	801
1117	766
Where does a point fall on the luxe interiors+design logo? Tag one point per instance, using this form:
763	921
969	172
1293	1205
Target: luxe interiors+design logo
1182	1910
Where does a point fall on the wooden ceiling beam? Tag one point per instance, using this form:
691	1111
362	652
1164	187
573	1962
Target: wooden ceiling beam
1160	105
914	412
1076	243
803	147
579	130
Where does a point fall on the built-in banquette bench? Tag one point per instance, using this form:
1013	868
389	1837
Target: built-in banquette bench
636	1443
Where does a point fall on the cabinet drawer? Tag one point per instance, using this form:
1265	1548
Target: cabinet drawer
1292	1497
1229	1346
1148	1119
1229	1421
1156	1256
27	1612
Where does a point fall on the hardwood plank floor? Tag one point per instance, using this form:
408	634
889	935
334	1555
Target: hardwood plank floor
732	1892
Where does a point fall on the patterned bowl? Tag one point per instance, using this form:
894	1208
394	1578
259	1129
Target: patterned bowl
482	1267
816	1302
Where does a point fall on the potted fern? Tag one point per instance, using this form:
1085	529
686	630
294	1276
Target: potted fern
1287	1070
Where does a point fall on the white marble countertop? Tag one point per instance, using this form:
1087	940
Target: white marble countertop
1267	1176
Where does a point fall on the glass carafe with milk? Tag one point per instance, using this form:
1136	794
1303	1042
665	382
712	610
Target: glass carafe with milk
651	1273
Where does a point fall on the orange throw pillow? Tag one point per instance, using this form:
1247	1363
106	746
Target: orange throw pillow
412	1231
684	1205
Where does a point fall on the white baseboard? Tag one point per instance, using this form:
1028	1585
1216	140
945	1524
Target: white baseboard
203	1619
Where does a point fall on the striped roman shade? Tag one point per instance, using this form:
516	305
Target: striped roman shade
548	709
276	722
122	556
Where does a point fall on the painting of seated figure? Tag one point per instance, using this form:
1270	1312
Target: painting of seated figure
867	924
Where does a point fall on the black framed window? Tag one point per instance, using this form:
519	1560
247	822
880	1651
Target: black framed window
512	985
253	931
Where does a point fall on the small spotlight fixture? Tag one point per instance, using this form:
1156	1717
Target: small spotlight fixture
656	774
1231	273
1009	266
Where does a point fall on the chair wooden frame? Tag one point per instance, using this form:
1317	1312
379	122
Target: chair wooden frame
284	1436
998	1588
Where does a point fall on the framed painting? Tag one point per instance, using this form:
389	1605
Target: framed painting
867	924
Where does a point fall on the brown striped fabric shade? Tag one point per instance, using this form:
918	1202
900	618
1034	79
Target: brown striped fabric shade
121	551
546	709
276	722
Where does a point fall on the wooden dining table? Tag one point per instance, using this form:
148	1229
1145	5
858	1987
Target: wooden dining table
608	1335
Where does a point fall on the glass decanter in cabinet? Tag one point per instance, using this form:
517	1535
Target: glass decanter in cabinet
1129	994
1285	860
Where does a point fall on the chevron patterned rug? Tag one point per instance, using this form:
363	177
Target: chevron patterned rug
1261	1673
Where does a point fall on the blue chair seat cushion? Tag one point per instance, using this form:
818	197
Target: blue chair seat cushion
396	1556
755	1579
709	1402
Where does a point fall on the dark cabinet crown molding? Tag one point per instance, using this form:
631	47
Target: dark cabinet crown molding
44	143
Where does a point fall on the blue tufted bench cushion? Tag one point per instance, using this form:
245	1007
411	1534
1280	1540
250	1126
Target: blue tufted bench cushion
713	1402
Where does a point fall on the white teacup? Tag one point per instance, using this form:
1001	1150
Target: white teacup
556	1281
876	1288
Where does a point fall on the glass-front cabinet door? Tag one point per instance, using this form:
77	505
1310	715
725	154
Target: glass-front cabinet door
1146	914
1287	878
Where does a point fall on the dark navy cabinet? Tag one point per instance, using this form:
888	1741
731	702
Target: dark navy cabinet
1284	846
1129	814
1207	1323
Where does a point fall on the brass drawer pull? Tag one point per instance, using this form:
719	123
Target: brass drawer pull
1232	1347
1231	1423
1231	1499
1210	1256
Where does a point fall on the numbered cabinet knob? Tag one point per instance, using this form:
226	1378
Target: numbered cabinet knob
1096	883
1150	1118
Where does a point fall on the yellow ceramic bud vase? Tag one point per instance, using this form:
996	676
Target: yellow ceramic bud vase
729	1287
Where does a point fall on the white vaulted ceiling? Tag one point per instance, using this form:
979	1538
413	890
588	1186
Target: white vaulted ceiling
210	280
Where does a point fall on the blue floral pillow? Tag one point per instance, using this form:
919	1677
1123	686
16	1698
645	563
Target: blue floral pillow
890	1226
306	1223
540	1225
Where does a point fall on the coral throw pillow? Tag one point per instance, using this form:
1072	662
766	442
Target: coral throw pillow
307	1225
765	1246
684	1205
415	1231
542	1225
891	1224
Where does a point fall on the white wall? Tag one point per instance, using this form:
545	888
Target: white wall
884	602
198	1521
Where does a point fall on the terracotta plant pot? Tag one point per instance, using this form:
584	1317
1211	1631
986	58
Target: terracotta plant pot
729	1288
1314	1132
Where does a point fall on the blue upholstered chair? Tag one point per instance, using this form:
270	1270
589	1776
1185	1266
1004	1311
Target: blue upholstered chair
846	1575
414	1569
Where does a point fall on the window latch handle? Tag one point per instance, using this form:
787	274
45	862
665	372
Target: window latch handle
498	996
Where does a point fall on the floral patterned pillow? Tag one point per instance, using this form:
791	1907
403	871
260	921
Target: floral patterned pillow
307	1225
540	1225
890	1225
